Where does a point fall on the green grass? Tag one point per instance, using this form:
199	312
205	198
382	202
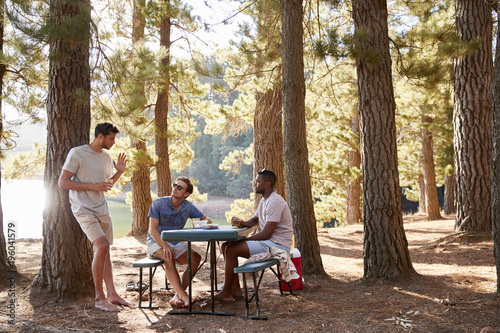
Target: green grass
122	218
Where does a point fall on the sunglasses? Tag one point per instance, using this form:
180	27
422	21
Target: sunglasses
178	187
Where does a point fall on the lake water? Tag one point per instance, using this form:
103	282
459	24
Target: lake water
19	194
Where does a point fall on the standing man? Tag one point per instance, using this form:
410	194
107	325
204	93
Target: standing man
171	213
87	174
275	221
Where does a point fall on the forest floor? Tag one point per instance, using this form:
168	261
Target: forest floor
454	291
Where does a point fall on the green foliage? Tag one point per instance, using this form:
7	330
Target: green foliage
242	208
331	102
25	58
424	89
26	165
212	97
210	151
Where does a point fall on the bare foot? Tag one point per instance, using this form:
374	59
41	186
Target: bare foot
185	301
104	305
235	291
175	301
220	299
118	301
238	295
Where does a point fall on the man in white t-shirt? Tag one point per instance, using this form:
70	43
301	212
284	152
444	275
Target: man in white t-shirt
276	230
87	174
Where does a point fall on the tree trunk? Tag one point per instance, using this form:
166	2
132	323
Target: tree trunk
449	196
386	252
163	179
67	254
268	138
495	161
431	195
353	211
422	202
472	118
141	193
141	182
298	182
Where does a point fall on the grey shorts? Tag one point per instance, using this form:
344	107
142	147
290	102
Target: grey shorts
179	248
96	226
263	246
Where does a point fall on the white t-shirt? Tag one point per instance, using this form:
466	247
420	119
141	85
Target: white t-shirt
88	166
275	209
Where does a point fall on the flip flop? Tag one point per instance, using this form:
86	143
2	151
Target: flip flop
144	287
130	286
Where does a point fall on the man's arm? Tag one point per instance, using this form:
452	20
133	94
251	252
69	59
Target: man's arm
153	231
237	222
66	183
266	233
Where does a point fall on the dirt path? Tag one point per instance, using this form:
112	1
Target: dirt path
454	292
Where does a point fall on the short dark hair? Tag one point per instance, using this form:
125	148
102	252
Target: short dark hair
105	128
186	180
268	176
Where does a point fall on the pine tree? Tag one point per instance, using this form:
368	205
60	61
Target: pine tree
332	96
139	81
386	252
423	56
164	181
472	117
67	254
495	159
255	72
295	140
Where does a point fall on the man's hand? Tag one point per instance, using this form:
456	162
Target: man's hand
168	251
236	222
121	163
103	186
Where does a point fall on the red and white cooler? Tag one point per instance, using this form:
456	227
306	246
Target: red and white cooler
296	284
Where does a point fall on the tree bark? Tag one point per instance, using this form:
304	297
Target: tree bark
422	202
268	138
141	192
386	252
449	196
431	196
353	211
163	178
67	253
472	118
141	182
495	160
298	182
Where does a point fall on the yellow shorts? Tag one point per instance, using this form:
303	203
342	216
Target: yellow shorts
96	226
